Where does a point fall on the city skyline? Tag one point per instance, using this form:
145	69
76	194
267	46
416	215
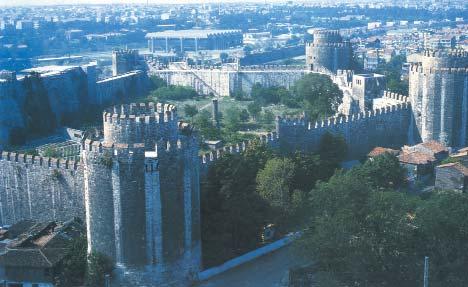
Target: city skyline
153	2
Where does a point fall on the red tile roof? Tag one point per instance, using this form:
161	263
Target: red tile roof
381	150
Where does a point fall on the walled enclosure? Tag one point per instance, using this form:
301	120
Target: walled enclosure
229	79
69	90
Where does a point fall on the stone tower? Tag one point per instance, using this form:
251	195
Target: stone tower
124	61
328	52
142	193
438	89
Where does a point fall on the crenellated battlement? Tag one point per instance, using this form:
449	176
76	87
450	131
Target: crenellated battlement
270	139
100	147
329	44
454	53
339	120
47	162
140	109
125	51
144	122
418	68
395	96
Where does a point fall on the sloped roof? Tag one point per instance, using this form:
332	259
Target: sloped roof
416	158
42	245
457	166
381	150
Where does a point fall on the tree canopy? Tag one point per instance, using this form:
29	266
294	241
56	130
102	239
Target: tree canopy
364	231
320	96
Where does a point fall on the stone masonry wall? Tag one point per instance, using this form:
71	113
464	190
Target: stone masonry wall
39	188
386	127
223	81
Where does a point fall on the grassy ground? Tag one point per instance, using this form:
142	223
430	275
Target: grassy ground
226	103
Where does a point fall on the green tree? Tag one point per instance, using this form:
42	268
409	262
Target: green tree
244	115
239	95
232	119
332	149
267	117
233	213
223	57
362	234
157	82
320	96
202	121
190	111
383	171
309	169
392	70
442	226
254	109
176	93
274	182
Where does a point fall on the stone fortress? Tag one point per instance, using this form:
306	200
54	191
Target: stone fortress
69	90
328	52
438	89
138	186
142	192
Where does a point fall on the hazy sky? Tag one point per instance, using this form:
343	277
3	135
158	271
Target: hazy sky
50	2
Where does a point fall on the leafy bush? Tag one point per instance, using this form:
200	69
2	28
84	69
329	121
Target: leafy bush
176	93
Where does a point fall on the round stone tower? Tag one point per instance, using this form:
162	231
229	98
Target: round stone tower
438	89
328	52
146	169
140	123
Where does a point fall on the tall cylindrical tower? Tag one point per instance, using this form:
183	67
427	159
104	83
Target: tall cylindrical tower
150	176
97	162
128	183
438	89
328	52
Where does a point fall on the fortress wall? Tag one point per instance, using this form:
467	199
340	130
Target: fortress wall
10	109
39	188
223	82
284	78
124	87
387	127
67	93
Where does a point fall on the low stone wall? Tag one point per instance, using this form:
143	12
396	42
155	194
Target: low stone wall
250	256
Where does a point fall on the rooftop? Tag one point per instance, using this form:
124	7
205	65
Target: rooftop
382	150
416	158
194	33
28	244
457	166
423	153
49	70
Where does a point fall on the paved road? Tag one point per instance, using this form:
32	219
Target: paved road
267	271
